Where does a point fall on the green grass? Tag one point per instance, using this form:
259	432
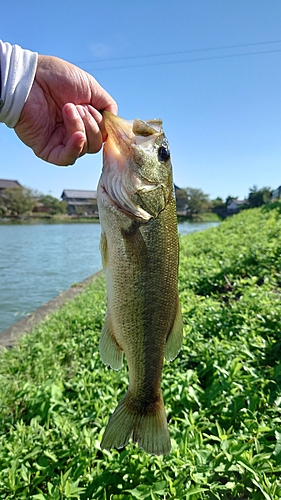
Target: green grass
210	217
204	217
222	394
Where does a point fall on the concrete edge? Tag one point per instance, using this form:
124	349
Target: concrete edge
11	335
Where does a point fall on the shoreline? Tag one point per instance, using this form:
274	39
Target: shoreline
47	220
205	217
10	336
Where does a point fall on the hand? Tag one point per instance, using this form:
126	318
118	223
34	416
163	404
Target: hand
60	120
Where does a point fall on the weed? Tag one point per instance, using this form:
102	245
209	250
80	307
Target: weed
222	394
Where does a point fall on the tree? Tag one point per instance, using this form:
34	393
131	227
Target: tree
258	197
53	205
229	199
18	200
218	202
197	201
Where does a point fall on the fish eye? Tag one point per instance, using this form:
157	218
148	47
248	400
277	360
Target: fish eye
163	153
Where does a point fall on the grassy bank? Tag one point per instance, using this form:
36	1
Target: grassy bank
204	217
61	219
222	394
210	217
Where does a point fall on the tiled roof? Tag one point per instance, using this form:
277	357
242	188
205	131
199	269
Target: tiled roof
79	193
7	183
239	202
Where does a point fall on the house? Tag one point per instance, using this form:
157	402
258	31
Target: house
236	205
4	184
276	194
7	183
81	202
181	200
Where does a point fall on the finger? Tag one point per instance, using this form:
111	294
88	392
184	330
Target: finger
64	155
68	143
92	129
99	119
72	119
75	135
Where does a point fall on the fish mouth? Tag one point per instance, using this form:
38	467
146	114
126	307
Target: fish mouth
123	180
129	133
119	130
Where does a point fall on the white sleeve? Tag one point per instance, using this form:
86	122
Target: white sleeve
17	72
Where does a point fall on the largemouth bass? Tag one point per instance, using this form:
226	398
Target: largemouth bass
140	252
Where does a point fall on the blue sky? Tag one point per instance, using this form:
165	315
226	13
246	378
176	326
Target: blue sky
211	69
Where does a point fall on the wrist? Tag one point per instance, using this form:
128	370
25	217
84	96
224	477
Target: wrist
17	70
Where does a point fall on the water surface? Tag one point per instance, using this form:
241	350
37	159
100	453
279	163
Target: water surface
38	261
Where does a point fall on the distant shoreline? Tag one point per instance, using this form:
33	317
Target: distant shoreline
56	219
49	220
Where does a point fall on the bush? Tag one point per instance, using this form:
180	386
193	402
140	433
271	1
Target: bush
222	394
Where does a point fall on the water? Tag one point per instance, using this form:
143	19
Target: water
191	227
39	261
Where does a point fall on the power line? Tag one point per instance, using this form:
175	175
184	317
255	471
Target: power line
166	63
181	52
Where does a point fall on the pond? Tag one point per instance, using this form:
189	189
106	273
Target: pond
38	261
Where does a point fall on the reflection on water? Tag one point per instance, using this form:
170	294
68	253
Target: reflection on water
39	261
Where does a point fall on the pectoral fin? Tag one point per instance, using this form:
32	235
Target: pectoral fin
110	352
174	340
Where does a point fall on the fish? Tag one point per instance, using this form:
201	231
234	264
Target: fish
140	254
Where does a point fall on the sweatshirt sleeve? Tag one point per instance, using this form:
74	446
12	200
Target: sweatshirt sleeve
17	73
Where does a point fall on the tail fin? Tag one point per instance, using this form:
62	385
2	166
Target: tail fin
149	430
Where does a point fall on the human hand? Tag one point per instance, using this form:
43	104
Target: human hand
60	120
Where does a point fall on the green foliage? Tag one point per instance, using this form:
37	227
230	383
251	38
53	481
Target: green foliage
209	217
258	197
218	202
229	199
18	200
197	201
54	205
222	394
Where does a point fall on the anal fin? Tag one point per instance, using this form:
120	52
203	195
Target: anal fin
110	352
174	340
